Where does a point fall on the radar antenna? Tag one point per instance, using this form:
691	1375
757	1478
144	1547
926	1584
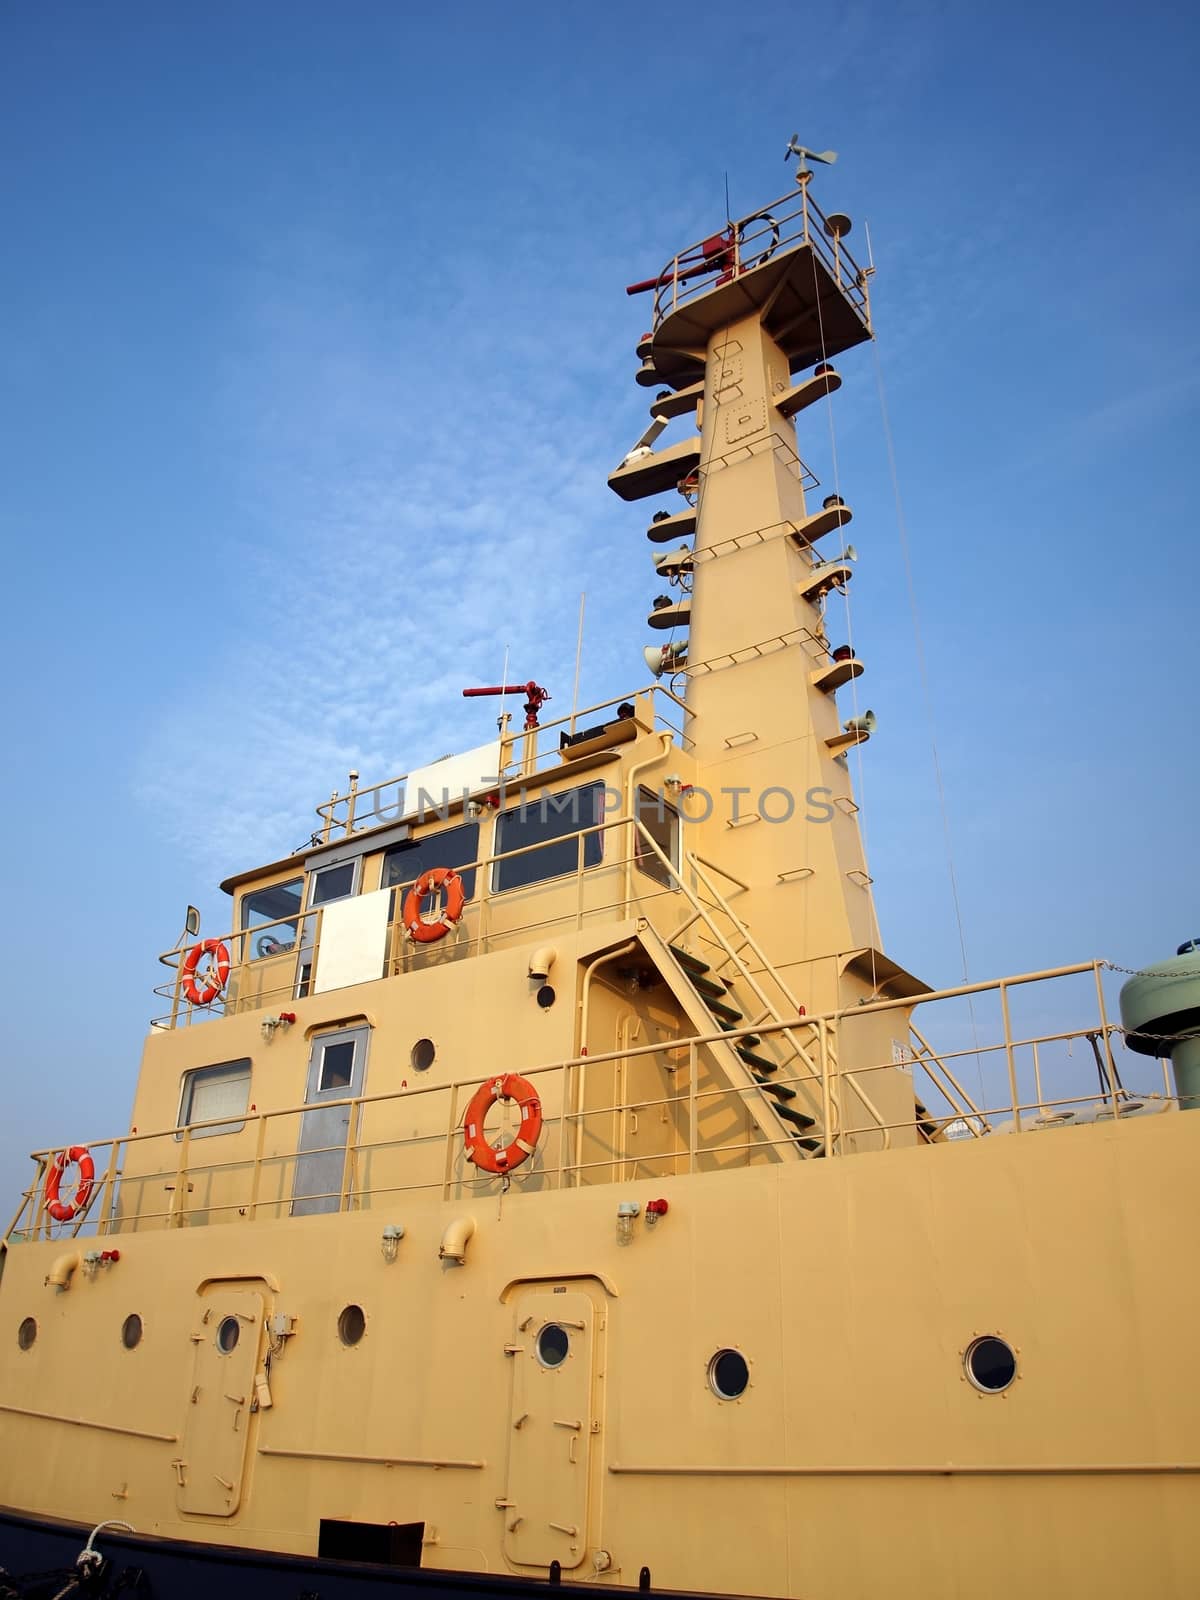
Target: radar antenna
804	155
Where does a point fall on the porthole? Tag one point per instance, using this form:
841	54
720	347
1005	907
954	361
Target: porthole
352	1324
990	1364
26	1334
728	1374
228	1334
553	1344
422	1054
131	1332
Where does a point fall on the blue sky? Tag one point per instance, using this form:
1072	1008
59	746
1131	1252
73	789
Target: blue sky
317	348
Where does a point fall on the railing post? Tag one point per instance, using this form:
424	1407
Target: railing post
451	1134
693	1136
256	1173
826	1102
1108	1072
1010	1057
348	1173
175	1215
108	1191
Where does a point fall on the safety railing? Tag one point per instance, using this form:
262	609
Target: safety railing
677	1116
792	221
526	752
278	962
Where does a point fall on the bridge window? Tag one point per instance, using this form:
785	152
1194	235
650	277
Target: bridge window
554	821
276	910
219	1091
332	883
452	847
661	822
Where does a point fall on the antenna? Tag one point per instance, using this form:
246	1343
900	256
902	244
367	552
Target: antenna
803	155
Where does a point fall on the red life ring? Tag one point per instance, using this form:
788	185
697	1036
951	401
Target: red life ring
509	1087
217	974
444	878
65	1210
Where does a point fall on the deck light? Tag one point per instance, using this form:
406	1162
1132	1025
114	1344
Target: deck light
654	1210
627	1211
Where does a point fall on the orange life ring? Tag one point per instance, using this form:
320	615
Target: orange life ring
509	1087
217	976
446	879
65	1210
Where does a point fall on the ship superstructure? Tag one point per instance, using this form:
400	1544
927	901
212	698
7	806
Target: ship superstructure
548	1173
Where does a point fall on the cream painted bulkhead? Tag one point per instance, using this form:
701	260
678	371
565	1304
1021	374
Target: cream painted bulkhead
850	1287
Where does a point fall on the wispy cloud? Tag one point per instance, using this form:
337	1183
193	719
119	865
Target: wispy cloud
410	513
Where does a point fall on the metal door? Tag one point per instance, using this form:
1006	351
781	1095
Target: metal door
553	1423
227	1338
337	1066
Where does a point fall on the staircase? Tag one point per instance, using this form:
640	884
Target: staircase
806	1103
716	995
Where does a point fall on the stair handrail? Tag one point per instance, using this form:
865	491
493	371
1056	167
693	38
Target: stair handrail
963	1105
694	861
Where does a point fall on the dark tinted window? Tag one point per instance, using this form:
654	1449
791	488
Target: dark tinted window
556	819
452	847
332	883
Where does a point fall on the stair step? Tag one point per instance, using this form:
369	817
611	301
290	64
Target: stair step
817	1146
716	987
720	1009
796	1117
687	960
759	1063
780	1091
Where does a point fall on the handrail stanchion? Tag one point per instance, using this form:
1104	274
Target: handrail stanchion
256	1172
353	1127
451	1135
826	1104
108	1190
1108	1068
1010	1057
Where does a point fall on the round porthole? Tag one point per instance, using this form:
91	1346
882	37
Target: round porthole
422	1054
552	1345
26	1334
131	1331
228	1334
352	1324
990	1364
728	1374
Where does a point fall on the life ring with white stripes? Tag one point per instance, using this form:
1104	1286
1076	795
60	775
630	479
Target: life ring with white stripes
478	1150
451	885
66	1210
218	973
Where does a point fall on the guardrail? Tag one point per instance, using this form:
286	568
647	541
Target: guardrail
168	1179
794	220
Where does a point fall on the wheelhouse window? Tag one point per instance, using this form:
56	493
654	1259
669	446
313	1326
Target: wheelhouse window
554	822
218	1091
661	822
276	911
333	883
452	847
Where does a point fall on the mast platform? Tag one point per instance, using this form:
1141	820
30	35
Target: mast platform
788	264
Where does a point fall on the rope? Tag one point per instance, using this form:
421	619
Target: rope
922	666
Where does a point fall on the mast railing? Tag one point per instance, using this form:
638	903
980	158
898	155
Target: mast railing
793	221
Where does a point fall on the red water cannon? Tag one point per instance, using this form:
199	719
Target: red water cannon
535	697
713	254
